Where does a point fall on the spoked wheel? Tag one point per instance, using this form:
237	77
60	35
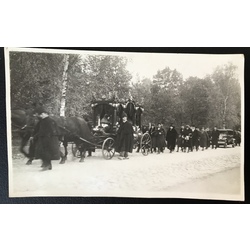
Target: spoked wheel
75	150
108	148
146	144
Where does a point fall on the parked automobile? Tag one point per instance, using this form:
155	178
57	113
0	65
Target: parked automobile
226	138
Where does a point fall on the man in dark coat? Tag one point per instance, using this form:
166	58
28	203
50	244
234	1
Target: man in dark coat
215	137
237	137
209	133
180	139
160	138
46	137
124	140
171	138
196	138
152	132
188	139
203	139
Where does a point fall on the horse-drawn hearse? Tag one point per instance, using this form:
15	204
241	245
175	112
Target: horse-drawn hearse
107	116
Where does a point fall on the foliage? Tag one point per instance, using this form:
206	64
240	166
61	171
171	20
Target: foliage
96	77
196	103
35	77
213	100
226	95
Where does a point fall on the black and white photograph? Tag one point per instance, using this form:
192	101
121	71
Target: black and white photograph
89	123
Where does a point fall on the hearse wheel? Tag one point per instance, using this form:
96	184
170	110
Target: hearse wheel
108	148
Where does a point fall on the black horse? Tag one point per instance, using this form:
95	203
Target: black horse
75	130
23	122
71	129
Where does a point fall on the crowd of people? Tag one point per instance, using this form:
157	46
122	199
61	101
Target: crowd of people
188	139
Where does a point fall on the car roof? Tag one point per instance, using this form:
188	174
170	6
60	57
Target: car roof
225	130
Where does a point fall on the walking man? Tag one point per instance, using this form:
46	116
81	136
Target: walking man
171	138
152	132
188	139
196	138
215	137
160	138
203	139
47	142
180	140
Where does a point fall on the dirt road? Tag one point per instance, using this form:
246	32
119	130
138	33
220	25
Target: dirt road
224	183
164	175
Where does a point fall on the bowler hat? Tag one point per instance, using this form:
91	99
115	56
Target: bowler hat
124	115
40	110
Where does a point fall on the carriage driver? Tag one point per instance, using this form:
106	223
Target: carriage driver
124	140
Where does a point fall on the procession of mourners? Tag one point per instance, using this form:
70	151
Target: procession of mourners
124	133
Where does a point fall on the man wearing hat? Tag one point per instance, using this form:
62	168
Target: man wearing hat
124	140
160	138
171	138
153	134
47	143
180	140
188	138
196	138
215	137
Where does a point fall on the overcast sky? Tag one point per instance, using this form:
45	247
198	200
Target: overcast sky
146	65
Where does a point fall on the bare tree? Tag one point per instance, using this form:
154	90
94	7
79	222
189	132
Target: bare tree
64	84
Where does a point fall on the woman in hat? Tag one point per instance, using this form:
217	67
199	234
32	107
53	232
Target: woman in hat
124	140
47	142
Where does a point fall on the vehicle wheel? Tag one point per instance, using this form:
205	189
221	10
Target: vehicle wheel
225	145
108	148
75	150
146	144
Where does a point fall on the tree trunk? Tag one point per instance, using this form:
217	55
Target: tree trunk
224	113
64	84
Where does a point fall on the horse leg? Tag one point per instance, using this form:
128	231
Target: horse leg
24	141
138	147
66	149
64	156
30	155
82	153
62	161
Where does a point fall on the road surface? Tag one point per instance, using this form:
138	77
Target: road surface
215	174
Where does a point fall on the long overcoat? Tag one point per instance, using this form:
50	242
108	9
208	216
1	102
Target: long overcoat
180	139
188	137
152	132
125	138
204	139
171	138
160	138
195	137
215	136
47	142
